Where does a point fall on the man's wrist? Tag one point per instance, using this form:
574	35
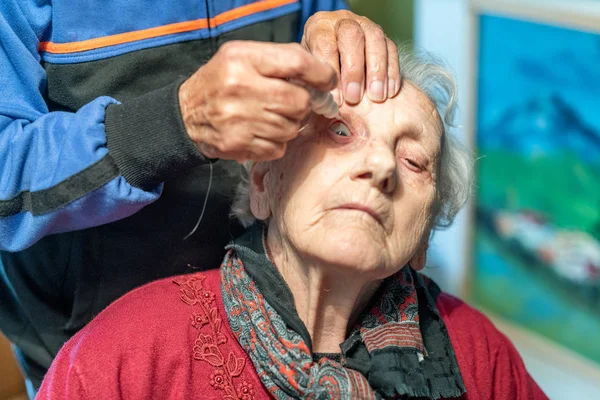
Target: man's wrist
194	120
147	138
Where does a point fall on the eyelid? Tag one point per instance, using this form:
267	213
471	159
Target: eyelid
351	133
414	164
421	162
339	121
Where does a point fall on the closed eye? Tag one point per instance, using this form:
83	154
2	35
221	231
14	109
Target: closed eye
413	165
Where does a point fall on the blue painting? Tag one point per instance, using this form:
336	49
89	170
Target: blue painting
537	235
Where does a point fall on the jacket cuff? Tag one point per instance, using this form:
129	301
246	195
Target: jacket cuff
147	138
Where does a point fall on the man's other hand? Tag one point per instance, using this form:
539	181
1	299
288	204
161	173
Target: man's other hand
352	44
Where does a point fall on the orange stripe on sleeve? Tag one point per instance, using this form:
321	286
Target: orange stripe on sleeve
246	10
179	27
121	38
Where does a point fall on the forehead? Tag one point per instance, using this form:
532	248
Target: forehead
410	111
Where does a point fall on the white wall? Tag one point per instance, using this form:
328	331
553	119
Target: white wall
441	28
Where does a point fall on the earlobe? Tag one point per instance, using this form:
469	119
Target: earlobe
420	258
259	199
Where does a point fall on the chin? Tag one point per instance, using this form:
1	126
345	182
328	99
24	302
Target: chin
353	251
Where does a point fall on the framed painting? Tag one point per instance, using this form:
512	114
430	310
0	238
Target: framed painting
535	253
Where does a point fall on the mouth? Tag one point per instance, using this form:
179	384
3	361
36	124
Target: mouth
363	208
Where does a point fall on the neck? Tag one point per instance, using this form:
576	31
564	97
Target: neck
328	298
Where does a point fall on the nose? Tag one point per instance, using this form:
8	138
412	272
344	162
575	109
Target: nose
378	166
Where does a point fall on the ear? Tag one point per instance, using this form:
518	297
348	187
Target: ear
259	198
420	258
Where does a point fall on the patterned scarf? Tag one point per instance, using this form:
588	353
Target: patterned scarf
383	349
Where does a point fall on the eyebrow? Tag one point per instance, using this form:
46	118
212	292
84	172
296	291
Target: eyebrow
412	129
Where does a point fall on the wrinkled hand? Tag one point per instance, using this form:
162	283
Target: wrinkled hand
352	44
241	106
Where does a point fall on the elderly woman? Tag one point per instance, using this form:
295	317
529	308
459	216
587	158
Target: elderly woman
320	298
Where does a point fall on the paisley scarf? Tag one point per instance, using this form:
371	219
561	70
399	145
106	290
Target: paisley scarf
384	356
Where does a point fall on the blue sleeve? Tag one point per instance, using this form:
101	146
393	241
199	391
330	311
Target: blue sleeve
309	7
56	173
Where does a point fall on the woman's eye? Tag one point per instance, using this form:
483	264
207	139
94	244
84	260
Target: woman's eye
340	129
413	164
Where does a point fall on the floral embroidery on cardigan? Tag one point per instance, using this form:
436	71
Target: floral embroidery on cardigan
207	345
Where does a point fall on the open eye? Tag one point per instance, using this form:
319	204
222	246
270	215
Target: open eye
340	129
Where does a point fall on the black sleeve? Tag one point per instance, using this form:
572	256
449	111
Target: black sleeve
147	138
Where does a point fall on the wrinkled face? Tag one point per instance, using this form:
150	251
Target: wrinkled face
359	191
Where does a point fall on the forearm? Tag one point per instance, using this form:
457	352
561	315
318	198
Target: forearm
64	171
57	175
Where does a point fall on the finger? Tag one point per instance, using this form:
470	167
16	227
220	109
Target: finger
290	60
351	46
259	149
271	127
285	99
265	150
394	76
322	43
376	54
276	128
209	151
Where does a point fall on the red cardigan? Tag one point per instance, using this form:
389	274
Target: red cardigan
151	344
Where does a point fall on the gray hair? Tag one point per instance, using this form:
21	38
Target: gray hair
454	177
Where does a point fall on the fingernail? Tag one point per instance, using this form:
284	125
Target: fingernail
208	150
376	91
397	87
391	88
353	93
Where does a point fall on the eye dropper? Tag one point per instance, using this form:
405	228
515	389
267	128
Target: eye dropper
322	103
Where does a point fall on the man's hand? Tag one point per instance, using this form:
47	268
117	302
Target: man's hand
352	44
241	106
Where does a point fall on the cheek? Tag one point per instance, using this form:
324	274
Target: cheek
299	188
285	184
416	184
276	188
413	209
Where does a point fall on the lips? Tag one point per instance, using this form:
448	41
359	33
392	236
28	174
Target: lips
364	208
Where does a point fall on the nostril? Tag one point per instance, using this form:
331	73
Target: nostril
388	185
385	185
366	175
